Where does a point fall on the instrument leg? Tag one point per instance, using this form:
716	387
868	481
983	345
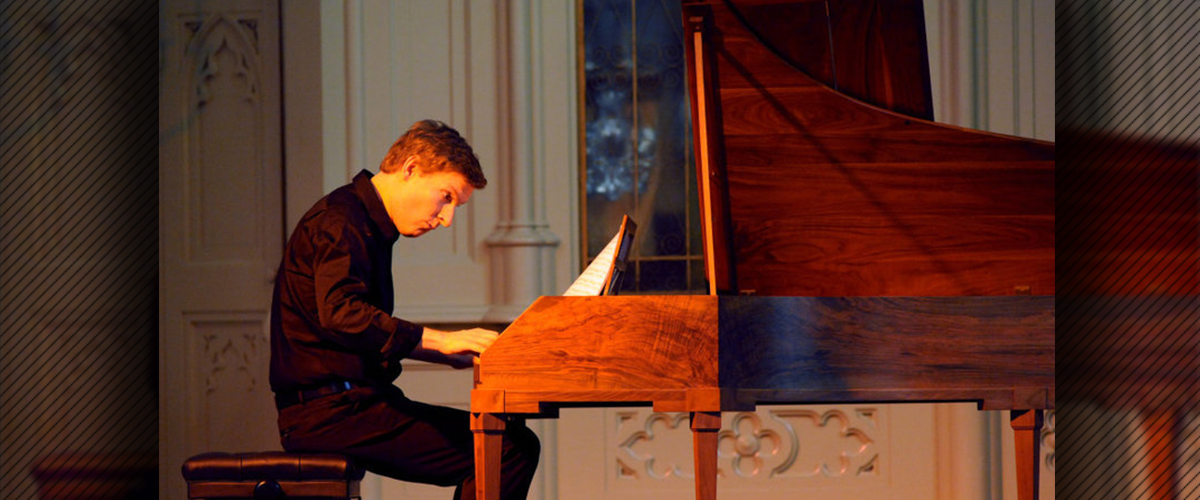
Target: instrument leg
1027	429
489	435
704	440
1160	426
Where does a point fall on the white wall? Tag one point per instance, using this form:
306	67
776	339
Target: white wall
991	64
500	72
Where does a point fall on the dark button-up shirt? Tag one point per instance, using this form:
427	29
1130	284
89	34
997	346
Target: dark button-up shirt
331	311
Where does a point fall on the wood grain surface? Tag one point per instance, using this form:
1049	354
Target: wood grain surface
606	344
739	351
824	349
829	195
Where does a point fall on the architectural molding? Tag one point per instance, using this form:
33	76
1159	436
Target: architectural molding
522	246
1047	438
992	65
218	33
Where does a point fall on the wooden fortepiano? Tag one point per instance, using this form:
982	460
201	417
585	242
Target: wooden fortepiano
854	253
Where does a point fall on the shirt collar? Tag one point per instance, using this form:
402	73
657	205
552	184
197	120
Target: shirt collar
370	197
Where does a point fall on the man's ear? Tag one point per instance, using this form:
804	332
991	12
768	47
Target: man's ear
410	167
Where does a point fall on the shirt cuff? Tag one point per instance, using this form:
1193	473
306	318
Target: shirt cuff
405	338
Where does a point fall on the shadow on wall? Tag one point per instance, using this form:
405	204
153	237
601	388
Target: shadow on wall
80	284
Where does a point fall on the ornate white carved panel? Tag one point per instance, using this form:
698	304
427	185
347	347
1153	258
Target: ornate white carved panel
774	452
838	442
1048	444
225	205
775	447
231	399
649	447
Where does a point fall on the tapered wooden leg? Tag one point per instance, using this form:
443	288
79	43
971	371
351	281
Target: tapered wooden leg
704	441
1027	429
489	435
1160	429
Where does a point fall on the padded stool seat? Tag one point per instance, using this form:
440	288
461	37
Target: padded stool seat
272	475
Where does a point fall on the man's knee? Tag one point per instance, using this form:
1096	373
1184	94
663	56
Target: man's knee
525	444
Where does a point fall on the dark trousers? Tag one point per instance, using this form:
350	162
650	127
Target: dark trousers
393	436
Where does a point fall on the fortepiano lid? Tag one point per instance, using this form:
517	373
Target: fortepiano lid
811	192
869	50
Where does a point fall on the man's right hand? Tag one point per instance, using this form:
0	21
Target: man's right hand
456	349
473	341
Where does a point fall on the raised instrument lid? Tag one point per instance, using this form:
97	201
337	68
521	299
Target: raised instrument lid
809	191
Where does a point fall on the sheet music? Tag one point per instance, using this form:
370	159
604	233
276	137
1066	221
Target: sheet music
591	282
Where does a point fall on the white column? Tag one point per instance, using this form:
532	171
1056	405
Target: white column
968	452
521	247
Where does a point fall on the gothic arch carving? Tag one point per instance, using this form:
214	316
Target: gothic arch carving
209	38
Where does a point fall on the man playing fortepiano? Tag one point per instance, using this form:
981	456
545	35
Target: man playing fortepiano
336	348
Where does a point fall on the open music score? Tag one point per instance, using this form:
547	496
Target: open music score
607	271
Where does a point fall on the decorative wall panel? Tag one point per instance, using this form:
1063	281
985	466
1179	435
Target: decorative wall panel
782	448
1048	442
225	204
231	397
220	227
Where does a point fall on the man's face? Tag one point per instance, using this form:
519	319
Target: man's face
427	201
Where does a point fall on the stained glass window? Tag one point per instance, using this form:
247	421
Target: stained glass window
638	139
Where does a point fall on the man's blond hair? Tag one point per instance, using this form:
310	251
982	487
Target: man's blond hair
438	148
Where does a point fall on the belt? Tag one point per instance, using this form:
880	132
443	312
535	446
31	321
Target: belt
292	398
